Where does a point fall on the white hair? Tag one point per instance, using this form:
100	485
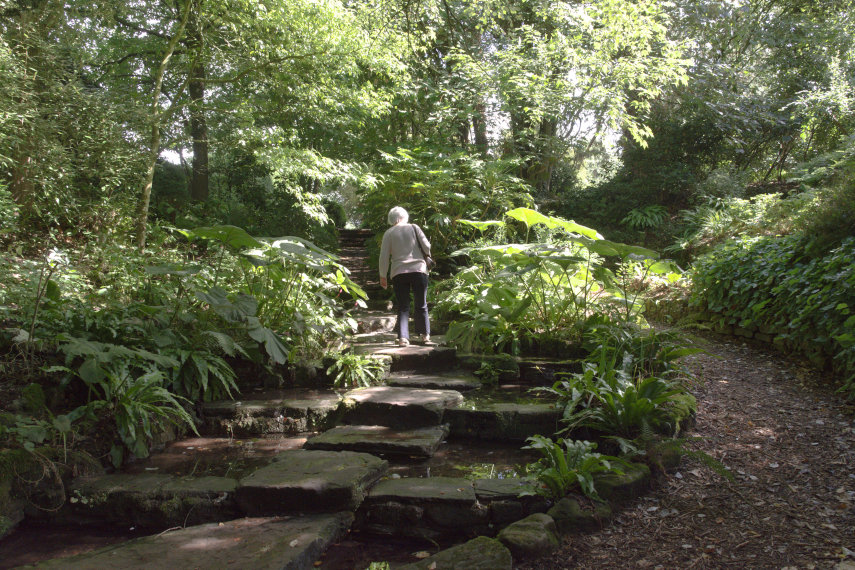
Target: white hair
397	215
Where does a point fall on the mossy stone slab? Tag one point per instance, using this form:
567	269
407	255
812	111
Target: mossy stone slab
413	357
532	537
303	480
502	496
447	381
571	515
497	489
503	421
152	500
632	483
258	543
261	417
480	553
381	440
428	508
398	407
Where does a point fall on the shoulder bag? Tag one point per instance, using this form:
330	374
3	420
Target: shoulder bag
428	259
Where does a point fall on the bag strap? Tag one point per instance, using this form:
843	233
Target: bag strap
418	242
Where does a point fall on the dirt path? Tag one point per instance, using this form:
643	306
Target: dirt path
790	444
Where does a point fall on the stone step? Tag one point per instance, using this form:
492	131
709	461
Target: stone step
378	301
401	408
151	500
375	321
544	371
258	543
354	232
426	359
444	506
503	421
381	440
306	481
268	415
460	381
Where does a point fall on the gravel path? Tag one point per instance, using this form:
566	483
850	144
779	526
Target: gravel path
790	444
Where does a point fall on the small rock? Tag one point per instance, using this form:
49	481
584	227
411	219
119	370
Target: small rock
531	537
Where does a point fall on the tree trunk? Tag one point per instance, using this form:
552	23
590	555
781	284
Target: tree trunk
154	138
479	121
199	133
463	132
198	124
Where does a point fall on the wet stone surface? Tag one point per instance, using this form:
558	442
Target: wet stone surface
309	481
471	459
503	421
381	440
258	543
219	456
448	381
151	500
398	407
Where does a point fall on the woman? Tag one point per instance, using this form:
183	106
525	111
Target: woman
409	273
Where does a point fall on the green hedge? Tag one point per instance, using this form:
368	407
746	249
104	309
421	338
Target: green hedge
771	285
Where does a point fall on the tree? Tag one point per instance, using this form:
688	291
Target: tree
63	153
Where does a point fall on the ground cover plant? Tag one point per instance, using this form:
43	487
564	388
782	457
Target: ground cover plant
135	367
568	465
803	303
631	396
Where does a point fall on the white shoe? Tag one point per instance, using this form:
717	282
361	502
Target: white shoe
403	342
425	340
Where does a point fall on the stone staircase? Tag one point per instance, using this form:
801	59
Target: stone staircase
339	479
354	256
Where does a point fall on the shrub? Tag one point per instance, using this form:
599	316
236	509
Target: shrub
523	294
771	284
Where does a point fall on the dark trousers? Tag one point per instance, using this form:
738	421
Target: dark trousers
403	283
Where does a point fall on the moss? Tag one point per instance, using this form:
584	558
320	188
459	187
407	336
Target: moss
622	487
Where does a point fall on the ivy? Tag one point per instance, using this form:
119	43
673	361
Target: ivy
770	284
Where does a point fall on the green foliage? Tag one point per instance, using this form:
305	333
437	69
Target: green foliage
203	375
352	370
290	285
438	188
519	293
770	283
9	213
718	221
157	331
126	386
567	464
679	446
488	373
646	218
630	384
639	351
32	430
